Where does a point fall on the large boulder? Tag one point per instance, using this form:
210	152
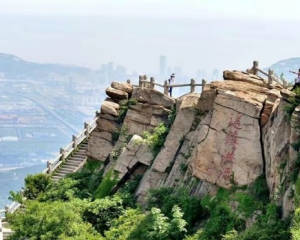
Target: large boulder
229	143
110	108
116	94
153	97
244	77
125	87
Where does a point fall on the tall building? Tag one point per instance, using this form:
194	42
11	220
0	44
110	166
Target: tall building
162	66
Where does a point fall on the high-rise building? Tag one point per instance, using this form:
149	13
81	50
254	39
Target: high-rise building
162	66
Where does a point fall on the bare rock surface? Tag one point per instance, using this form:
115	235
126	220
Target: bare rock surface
116	94
125	87
153	97
110	108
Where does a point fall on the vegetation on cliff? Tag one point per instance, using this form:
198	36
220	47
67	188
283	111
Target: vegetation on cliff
73	209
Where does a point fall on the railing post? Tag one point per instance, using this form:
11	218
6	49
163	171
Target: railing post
152	81
144	83
255	66
63	152
140	81
49	166
270	79
192	85
166	88
74	139
86	127
203	84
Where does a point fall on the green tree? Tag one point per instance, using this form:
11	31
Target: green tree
156	226
36	185
101	212
55	220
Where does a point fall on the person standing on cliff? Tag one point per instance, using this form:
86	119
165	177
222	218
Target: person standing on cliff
171	80
297	82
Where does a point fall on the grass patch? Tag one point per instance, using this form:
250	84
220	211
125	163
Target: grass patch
107	184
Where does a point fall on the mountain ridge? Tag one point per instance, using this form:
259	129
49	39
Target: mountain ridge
14	67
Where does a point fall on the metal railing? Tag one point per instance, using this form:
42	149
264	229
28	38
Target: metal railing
271	77
144	83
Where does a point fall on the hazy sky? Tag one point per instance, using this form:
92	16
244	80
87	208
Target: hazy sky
223	34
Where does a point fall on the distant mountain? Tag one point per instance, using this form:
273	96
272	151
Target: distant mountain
13	67
286	65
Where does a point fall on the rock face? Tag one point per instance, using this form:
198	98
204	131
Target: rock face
230	143
185	115
152	97
234	132
144	117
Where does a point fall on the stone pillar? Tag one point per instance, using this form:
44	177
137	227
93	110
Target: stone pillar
62	152
145	85
152	81
270	79
193	85
166	88
86	127
140	81
74	139
203	84
49	166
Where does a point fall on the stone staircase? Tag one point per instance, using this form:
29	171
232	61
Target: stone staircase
72	164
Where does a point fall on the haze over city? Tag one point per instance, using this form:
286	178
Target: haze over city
191	34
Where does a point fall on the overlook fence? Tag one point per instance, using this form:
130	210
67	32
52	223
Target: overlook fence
144	83
270	74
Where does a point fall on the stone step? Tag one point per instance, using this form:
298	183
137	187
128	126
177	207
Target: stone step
59	174
68	167
74	162
79	158
80	153
65	171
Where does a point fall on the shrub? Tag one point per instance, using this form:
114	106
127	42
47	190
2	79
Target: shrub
294	102
167	198
259	189
101	212
156	226
107	184
156	139
36	185
171	116
57	220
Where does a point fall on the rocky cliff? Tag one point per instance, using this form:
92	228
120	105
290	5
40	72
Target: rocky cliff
233	132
